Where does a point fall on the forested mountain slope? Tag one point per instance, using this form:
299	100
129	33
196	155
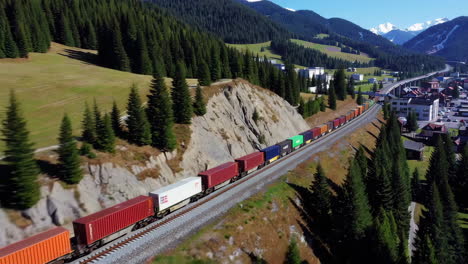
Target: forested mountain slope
449	40
231	21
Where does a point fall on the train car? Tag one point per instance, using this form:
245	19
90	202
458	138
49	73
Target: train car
296	141
271	153
336	123
307	136
349	116
47	247
356	112
342	120
353	114
177	195
361	109
250	163
330	126
285	147
219	176
317	131
99	228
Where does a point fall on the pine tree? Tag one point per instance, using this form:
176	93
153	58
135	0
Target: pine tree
425	253
106	136
215	65
321	195
322	105
293	256
69	159
22	190
139	132
401	198
359	99
160	115
301	109
143	62
374	87
340	83
357	213
115	117
88	126
412	121
204	74
387	240
350	88
11	49
416	184
199	106
332	97
462	178
182	102
361	159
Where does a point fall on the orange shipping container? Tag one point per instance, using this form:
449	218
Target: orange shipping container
323	129
361	109
38	249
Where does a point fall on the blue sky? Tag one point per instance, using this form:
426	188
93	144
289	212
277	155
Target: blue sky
370	13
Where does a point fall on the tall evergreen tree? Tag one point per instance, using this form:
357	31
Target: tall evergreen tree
88	126
106	136
22	190
115	117
359	99
182	102
199	106
462	178
293	255
416	184
340	84
204	74
69	160
160	115
332	96
321	195
387	239
139	132
350	87
412	124
143	62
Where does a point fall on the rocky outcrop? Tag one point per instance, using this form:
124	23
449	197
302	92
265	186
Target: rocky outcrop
227	131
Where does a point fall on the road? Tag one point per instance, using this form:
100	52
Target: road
207	210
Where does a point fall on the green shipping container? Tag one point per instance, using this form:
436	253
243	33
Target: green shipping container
297	140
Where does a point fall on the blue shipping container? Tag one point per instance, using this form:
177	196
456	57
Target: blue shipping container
271	152
307	136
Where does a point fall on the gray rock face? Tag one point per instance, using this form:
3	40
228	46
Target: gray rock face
227	131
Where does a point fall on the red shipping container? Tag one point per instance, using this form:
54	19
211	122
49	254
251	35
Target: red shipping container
342	120
336	123
218	175
41	248
348	117
316	132
97	226
250	161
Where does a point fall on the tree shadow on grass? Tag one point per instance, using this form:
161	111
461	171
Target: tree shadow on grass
48	168
86	57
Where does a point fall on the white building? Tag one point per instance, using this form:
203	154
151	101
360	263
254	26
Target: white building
358	77
311	72
312	89
425	109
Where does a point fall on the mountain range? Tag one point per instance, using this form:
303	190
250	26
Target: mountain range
400	36
449	40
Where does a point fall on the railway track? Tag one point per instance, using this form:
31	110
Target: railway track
104	254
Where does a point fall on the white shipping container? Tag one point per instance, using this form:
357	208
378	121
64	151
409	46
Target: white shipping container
175	193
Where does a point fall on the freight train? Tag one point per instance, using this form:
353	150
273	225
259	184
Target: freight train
95	230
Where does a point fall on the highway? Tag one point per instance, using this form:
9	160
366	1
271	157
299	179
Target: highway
196	215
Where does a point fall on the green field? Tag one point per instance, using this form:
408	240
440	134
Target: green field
257	49
48	85
334	54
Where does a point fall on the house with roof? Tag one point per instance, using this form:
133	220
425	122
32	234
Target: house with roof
432	129
426	109
358	77
428	86
414	150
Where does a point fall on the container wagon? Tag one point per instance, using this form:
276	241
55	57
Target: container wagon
285	147
52	245
356	112
361	109
99	228
250	163
307	135
219	176
330	126
317	132
342	120
175	196
296	141
336	123
271	154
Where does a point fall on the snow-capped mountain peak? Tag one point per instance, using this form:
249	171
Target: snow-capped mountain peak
290	9
383	28
426	25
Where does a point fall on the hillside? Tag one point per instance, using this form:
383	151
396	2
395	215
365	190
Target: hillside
448	40
62	80
334	51
398	36
231	21
227	131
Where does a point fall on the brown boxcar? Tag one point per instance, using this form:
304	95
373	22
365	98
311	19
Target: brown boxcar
348	117
219	174
250	162
102	224
361	109
353	114
342	120
317	131
41	248
336	123
356	112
